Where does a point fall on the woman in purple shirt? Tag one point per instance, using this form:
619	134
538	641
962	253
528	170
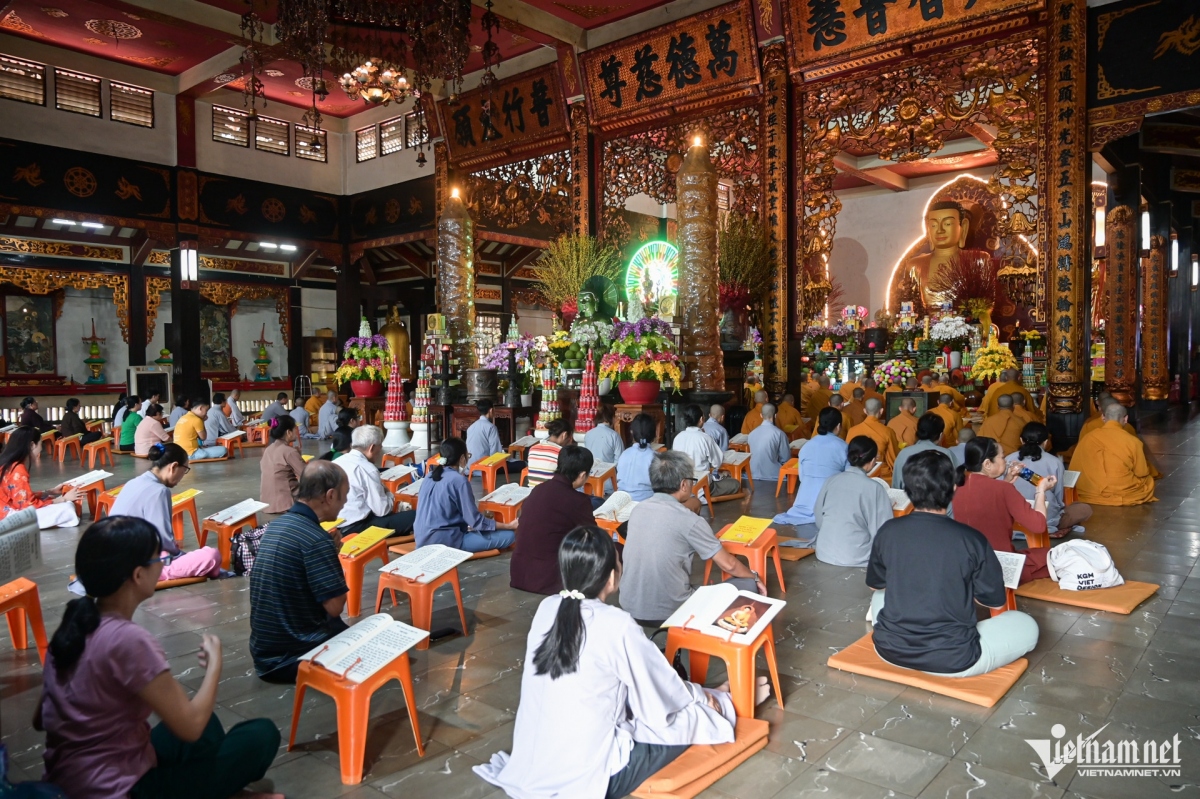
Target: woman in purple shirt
446	510
105	675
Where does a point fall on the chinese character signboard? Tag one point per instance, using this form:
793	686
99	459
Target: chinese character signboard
701	60
525	115
820	31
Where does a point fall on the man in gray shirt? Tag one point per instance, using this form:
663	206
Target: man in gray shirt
930	428
662	539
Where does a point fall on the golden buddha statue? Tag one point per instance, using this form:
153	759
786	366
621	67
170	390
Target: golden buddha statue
398	341
947	228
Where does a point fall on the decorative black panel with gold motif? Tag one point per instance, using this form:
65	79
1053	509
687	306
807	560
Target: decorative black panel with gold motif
393	210
248	205
73	180
1142	49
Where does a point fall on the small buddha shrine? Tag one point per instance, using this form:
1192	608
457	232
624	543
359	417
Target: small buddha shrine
532	314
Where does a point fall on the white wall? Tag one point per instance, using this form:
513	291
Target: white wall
318	308
382	170
80	307
875	227
247	325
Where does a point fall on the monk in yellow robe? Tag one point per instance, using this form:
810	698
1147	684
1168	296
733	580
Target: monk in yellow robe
788	419
1006	385
911	384
819	398
944	387
837	402
855	408
1112	464
1004	426
1019	409
754	415
895	385
1094	424
884	438
807	386
904	424
954	422
313	406
929	387
869	391
847	389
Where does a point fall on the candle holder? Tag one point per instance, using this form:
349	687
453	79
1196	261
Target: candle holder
444	397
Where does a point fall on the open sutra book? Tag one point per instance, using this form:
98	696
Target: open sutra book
367	647
725	612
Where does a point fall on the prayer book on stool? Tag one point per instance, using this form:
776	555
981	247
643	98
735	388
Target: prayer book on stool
725	612
426	564
367	647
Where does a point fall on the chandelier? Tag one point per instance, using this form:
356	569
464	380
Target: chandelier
374	85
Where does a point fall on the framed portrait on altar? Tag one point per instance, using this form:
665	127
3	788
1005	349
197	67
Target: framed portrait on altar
216	340
29	342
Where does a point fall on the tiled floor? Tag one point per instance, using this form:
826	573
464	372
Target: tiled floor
840	736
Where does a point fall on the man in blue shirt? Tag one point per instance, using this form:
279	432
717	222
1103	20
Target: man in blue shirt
768	447
297	588
714	426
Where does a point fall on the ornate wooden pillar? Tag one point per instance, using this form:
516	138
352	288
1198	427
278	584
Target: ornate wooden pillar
184	342
774	318
1068	248
1156	375
441	176
1120	304
580	171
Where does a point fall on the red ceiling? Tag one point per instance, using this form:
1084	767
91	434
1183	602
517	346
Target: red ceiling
147	39
593	14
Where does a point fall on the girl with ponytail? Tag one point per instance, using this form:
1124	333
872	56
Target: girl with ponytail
596	691
1033	455
148	496
281	466
56	507
446	509
105	675
987	500
633	467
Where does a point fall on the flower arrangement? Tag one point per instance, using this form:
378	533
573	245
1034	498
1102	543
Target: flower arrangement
952	332
642	350
892	370
816	335
596	335
532	355
991	360
365	358
971	282
743	261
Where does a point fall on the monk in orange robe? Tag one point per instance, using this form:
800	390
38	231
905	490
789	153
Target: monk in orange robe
884	438
819	398
944	387
869	391
754	415
1112	464
954	422
1097	422
1006	385
788	419
847	389
1004	425
855	408
904	424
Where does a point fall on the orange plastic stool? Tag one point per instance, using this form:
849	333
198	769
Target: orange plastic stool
595	485
396	460
489	473
1033	540
420	598
177	518
91	493
756	553
18	600
791	472
70	442
739	662
234	445
101	451
354	709
47	441
736	470
702	485
1010	603
105	502
896	514
354	567
393	487
225	534
94	426
502	513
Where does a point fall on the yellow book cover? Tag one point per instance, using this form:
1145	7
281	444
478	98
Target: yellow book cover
365	540
183	496
307	458
330	525
745	530
492	459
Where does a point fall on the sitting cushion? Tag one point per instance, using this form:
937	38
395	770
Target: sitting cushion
181	581
986	689
1118	599
224	457
793	553
703	764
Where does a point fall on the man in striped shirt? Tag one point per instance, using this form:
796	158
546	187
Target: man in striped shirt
542	460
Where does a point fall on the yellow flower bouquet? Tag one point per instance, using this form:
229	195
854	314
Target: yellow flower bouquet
991	360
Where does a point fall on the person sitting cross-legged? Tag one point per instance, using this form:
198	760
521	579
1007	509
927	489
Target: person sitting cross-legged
883	436
601	709
714	426
72	425
663	538
327	416
819	460
753	416
904	424
216	423
929	573
129	425
276	408
300	414
633	467
1112	463
369	503
446	509
1060	517
542	457
959	450
604	443
850	508
769	446
1003	425
55	508
150	431
281	466
483	439
705	453
232	410
31	418
190	432
930	429
951	420
553	509
105	674
297	587
182	406
148	496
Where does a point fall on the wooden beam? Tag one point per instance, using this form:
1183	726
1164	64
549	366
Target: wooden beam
364	264
523	261
140	251
301	267
538	20
881	176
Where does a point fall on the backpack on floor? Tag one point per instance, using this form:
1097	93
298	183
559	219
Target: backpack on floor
1081	565
244	549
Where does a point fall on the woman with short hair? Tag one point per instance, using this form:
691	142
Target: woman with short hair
105	675
72	425
150	431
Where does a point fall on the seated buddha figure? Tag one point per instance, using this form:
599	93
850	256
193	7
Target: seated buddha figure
947	227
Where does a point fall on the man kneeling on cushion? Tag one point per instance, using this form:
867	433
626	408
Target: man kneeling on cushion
936	571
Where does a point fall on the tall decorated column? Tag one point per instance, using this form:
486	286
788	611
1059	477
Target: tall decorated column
696	187
456	278
1120	304
775	166
1156	377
